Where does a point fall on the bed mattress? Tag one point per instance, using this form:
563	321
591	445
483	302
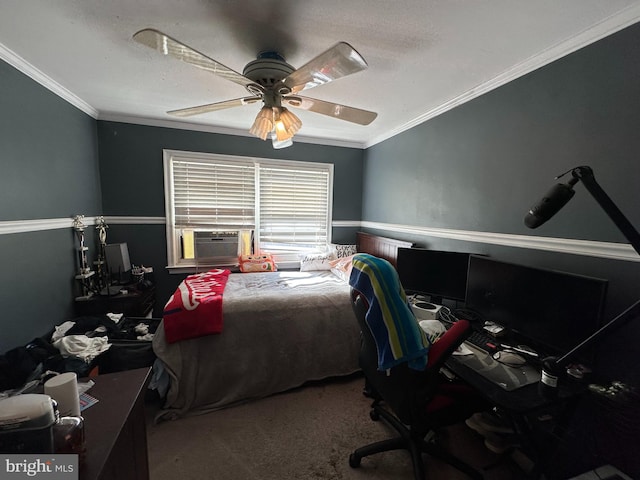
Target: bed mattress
280	330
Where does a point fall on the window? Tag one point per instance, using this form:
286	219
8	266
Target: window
287	204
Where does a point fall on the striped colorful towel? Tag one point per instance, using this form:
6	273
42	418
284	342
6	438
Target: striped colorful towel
398	335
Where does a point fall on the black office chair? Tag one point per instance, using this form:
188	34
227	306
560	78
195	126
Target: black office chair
415	402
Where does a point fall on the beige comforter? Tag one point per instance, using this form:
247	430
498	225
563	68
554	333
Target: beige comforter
281	329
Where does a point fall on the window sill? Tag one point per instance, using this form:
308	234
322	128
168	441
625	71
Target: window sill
191	269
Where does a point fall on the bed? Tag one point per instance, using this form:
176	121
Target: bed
281	330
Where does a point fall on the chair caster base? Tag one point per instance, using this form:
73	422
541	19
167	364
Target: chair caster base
354	461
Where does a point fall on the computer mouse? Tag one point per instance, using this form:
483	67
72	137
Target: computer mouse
507	357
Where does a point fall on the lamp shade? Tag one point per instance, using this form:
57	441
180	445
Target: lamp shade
278	123
290	122
263	124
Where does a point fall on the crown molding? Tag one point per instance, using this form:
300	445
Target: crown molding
198	127
32	72
606	27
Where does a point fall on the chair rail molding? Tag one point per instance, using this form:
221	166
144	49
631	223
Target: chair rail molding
131	220
611	250
24	226
36	225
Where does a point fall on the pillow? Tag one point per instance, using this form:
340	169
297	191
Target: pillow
342	251
262	262
341	267
316	261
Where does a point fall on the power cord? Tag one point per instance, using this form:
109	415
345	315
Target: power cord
447	316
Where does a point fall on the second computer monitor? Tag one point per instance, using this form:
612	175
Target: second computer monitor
438	274
551	309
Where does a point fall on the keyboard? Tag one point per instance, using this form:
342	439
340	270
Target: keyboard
467	314
478	338
483	341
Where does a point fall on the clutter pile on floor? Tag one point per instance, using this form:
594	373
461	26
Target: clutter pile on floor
499	436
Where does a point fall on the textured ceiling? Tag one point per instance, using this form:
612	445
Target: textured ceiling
424	56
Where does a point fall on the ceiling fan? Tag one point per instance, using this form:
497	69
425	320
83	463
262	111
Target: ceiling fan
273	81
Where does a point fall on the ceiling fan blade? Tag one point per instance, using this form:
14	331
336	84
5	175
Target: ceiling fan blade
169	46
212	107
343	112
337	62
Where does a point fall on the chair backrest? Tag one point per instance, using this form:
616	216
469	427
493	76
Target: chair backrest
405	390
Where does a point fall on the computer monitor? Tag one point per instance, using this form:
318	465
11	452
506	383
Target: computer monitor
550	310
435	273
118	263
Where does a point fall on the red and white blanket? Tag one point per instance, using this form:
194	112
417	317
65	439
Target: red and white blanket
195	308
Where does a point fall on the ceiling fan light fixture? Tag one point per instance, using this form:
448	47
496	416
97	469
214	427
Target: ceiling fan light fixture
281	133
287	124
277	144
272	80
263	124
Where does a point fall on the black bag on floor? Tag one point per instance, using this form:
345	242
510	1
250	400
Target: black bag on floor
20	363
127	353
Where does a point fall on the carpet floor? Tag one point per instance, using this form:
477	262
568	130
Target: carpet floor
306	433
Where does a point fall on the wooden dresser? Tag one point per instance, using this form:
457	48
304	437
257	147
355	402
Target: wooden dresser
115	427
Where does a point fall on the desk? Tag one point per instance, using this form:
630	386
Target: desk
523	400
539	421
115	428
134	303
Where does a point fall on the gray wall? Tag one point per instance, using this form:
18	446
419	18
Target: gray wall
477	167
48	151
482	165
132	183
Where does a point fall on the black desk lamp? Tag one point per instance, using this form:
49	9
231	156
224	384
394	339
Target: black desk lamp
542	211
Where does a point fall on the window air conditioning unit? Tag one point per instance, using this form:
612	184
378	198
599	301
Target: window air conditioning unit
216	244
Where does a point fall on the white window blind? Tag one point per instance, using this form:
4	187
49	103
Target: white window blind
294	208
286	203
213	194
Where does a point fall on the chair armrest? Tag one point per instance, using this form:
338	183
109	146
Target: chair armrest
447	344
